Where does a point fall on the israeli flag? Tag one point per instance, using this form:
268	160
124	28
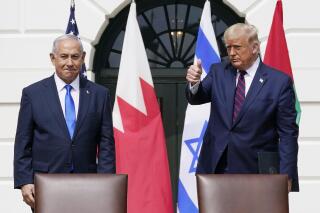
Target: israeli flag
196	119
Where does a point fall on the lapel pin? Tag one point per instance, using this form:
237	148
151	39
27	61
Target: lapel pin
88	92
261	80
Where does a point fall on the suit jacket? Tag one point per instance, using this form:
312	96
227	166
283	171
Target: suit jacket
42	142
265	123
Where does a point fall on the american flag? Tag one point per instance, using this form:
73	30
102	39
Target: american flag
72	28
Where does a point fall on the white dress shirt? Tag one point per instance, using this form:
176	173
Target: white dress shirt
62	92
251	71
248	78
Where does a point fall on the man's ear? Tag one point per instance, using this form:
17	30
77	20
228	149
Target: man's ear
83	55
255	49
52	58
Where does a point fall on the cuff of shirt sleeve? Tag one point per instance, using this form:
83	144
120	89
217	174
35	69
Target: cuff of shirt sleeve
194	88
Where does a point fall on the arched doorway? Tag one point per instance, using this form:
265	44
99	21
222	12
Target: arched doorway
169	30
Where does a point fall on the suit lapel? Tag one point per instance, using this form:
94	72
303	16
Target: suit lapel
52	98
259	80
84	100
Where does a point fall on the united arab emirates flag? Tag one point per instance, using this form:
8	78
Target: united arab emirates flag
276	54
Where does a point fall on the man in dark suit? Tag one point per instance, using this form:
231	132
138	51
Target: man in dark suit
252	110
62	121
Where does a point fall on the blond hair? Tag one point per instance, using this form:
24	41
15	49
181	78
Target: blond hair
242	29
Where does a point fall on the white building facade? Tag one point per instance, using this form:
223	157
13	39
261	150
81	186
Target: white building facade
28	27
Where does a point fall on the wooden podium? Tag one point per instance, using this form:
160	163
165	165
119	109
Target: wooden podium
80	193
242	193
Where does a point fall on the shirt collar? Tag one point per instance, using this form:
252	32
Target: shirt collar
60	83
251	71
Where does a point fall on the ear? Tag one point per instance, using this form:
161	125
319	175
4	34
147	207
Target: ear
83	55
255	48
52	58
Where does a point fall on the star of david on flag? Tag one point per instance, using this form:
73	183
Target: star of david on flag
72	28
196	120
194	145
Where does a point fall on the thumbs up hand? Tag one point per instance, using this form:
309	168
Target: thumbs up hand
194	72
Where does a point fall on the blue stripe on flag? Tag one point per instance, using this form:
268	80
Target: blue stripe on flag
205	52
185	203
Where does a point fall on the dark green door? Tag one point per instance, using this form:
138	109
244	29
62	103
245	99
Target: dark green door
170	89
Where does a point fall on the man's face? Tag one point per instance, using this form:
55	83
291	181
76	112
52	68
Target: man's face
242	54
68	60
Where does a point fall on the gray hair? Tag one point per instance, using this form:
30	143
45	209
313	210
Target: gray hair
245	29
65	37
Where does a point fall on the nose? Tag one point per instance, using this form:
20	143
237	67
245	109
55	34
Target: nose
232	51
69	61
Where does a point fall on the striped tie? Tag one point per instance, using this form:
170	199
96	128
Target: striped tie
240	95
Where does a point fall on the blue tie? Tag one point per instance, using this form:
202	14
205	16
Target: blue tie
70	111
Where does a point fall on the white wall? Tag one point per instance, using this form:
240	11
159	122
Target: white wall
27	29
